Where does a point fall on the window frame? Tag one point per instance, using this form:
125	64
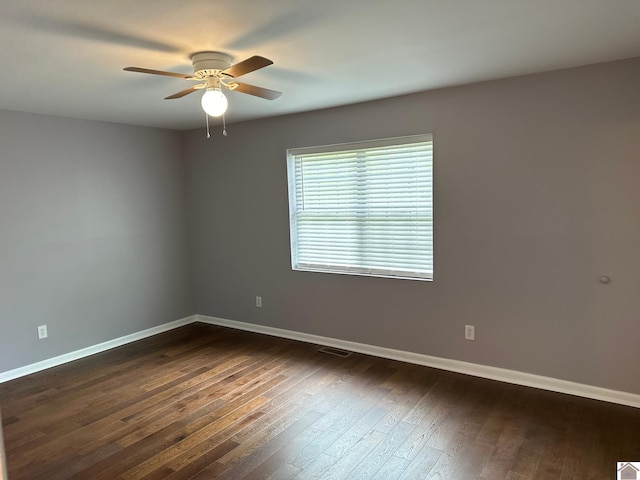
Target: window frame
293	154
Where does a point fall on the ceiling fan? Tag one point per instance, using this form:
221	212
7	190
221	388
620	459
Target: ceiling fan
215	71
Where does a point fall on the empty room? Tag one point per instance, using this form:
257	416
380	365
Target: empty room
320	240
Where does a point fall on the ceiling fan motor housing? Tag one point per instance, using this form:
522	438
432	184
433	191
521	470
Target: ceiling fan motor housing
208	64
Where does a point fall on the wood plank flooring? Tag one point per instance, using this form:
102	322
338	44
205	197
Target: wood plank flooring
205	402
2	462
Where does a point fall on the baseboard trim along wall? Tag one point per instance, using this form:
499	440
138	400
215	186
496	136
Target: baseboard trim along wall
483	371
86	352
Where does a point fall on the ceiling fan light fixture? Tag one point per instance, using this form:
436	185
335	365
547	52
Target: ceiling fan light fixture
215	71
214	102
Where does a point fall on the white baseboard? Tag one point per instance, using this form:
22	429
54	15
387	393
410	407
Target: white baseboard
85	352
483	371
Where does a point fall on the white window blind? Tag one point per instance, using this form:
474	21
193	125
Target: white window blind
363	208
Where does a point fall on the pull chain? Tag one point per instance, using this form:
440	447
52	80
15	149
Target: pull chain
224	125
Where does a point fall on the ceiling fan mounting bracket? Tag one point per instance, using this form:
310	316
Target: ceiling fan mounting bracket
210	64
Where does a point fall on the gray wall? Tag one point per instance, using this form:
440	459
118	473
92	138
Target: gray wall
537	194
92	233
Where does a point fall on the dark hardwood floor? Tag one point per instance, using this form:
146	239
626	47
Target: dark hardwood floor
205	402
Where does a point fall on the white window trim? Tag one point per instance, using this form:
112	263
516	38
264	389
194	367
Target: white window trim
391	272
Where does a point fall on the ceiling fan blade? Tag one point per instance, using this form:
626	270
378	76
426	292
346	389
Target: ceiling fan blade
257	91
156	72
182	93
246	66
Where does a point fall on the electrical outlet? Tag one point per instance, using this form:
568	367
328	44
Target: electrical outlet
42	332
259	302
469	332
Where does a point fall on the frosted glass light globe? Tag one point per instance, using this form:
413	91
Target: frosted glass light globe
214	102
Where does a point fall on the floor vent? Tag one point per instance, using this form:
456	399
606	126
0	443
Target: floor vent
335	351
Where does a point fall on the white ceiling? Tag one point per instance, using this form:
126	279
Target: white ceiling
65	57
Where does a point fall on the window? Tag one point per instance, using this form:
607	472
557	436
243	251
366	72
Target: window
363	208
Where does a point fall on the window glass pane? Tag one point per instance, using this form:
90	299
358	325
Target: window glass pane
363	208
